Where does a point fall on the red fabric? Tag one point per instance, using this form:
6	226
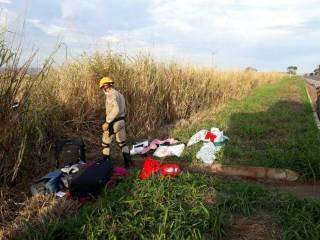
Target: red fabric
150	166
170	169
210	136
68	195
121	172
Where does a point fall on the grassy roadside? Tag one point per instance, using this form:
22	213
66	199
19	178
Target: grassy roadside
271	127
188	207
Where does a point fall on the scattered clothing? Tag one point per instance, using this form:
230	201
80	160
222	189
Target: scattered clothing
166	151
50	183
198	137
145	147
151	167
210	136
220	137
214	135
138	148
71	169
207	153
170	169
120	172
213	142
61	194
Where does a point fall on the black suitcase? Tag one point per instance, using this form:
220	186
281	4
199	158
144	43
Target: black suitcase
69	152
90	179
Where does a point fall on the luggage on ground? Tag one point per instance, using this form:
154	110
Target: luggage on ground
91	178
69	151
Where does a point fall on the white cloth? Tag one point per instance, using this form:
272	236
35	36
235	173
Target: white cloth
60	194
166	151
71	169
220	137
207	153
139	147
201	136
198	137
145	147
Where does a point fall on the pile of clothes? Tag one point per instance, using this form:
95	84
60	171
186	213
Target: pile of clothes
212	139
152	167
159	148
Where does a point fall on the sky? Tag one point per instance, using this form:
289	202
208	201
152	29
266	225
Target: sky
269	35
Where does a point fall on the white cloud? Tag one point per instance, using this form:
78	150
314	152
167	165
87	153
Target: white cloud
50	29
67	34
5	1
248	20
189	29
111	39
73	8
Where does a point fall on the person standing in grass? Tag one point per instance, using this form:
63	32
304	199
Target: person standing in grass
115	121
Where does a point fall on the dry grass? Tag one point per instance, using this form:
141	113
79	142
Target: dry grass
16	85
156	93
66	101
35	211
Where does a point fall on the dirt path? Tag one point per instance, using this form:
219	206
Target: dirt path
298	189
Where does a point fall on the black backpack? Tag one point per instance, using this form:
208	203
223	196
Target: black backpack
69	152
90	179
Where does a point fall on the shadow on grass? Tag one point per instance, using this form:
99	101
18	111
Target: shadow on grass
285	136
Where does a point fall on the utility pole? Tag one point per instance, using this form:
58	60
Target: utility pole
66	49
213	59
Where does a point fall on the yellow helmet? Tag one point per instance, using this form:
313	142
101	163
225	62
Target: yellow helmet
105	80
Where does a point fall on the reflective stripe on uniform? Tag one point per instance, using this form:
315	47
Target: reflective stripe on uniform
122	144
105	145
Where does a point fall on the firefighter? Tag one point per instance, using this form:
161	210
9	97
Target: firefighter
115	121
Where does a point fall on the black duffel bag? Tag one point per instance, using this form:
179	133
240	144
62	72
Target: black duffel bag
90	179
69	151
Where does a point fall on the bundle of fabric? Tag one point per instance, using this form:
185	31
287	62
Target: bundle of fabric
213	142
119	173
151	167
214	135
161	148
